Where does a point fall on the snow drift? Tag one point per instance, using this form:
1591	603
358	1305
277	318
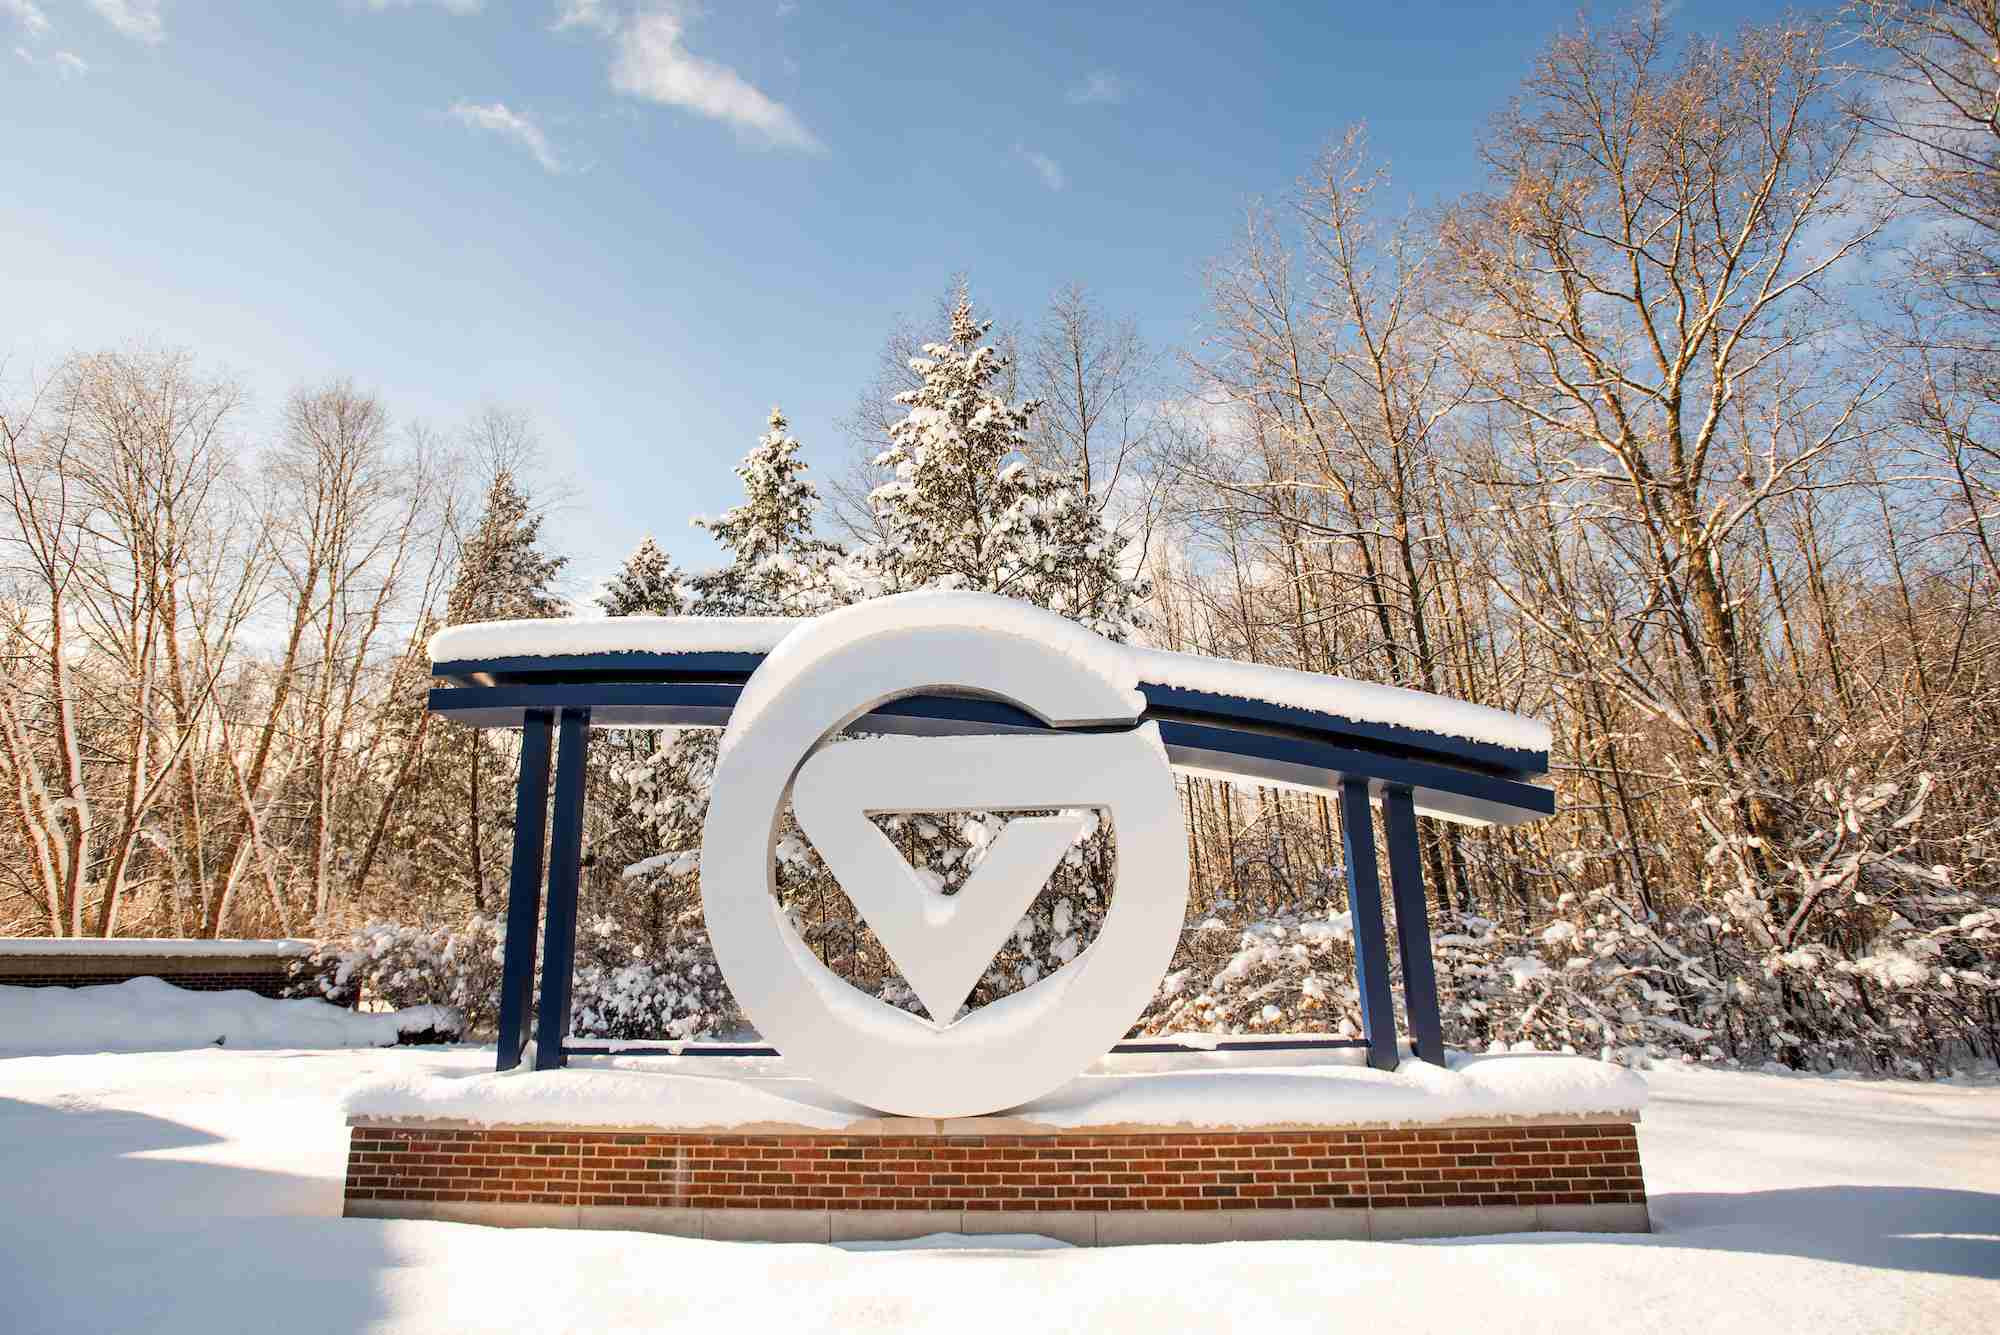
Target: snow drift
146	1014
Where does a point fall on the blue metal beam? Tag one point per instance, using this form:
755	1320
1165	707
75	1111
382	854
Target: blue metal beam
1413	924
524	888
1364	907
565	870
1441	790
632	667
1256	751
1162	702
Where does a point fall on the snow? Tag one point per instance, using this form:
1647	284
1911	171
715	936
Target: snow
198	1192
678	863
1128	665
620	1096
1099	662
1235	1091
547	637
1343	697
145	1014
958	1242
156	947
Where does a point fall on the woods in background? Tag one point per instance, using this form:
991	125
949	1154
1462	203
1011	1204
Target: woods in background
1679	432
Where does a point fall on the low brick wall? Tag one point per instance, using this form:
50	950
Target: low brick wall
269	983
211	966
1488	1178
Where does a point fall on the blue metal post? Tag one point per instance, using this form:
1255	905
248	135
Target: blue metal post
524	888
1413	924
1364	905
565	870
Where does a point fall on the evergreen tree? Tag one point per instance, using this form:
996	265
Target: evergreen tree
966	508
646	585
502	573
662	781
459	816
776	566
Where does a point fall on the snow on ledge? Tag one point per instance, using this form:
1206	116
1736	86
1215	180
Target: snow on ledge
148	1015
156	947
551	637
1209	1093
1128	665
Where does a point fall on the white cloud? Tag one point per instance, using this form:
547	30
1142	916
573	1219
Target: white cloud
1045	167
498	118
448	6
70	65
25	54
138	19
592	14
1100	87
28	14
652	64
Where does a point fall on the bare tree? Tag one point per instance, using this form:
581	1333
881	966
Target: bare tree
1644	304
114	495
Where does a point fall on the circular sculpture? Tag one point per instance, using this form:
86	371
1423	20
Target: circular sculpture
781	742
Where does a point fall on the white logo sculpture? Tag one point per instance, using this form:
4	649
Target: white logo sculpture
780	743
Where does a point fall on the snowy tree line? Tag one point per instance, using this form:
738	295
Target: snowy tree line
1677	431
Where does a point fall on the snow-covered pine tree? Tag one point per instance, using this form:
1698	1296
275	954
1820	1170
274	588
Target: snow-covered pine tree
776	566
660	779
645	968
967	509
502	571
458	815
646	585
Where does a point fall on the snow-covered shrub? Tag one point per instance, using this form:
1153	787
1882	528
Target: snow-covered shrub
1843	948
1293	973
400	965
621	989
674	990
1830	955
1596	979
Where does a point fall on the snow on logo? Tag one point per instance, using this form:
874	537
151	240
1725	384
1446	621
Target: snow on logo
781	743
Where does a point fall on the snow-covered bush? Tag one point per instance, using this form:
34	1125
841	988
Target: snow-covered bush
621	989
399	965
1602	977
1293	973
673	991
1595	979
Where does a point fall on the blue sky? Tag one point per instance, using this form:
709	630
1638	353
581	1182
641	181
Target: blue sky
644	222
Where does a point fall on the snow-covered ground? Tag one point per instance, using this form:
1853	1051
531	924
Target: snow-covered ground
146	1014
199	1191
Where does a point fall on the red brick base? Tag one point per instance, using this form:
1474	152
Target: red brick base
1546	1165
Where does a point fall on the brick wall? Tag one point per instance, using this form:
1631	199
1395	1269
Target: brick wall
267	983
1595	1164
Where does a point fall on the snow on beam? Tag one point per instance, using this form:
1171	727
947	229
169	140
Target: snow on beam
1323	693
